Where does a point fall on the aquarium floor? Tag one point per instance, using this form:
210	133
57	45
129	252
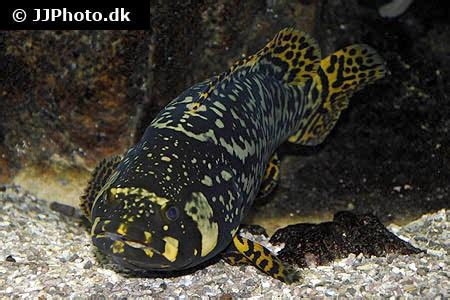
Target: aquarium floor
44	253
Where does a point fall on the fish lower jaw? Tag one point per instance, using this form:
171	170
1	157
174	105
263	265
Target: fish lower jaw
126	253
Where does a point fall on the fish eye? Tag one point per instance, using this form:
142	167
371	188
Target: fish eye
172	213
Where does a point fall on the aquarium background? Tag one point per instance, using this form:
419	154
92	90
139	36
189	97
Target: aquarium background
71	98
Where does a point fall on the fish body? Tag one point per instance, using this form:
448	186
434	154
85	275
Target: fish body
177	198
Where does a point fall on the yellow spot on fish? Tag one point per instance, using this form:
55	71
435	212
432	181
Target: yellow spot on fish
165	158
219	123
220	105
225	175
104	224
195	107
140	193
118	247
165	227
171	248
222	200
195	252
207	181
122	230
148	237
148	252
209	229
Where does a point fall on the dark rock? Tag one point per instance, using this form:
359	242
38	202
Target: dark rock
163	286
63	209
73	257
10	258
319	244
88	265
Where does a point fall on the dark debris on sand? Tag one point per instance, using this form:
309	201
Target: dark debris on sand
319	244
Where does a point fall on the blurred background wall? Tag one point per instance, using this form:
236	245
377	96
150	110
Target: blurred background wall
70	98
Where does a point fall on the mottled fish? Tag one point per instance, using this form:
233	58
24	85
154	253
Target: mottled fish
177	198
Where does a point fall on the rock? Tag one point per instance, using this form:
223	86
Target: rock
88	265
63	209
10	258
319	244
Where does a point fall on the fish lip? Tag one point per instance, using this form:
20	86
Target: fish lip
118	237
137	264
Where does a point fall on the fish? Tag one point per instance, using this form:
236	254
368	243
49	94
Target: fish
177	198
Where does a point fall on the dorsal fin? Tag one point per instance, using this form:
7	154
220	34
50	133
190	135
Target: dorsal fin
212	85
341	74
293	57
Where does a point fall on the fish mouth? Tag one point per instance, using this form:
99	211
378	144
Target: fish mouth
134	254
134	244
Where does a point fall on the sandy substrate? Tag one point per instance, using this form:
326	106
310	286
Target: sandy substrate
43	253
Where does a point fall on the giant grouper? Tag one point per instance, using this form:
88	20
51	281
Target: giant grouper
177	198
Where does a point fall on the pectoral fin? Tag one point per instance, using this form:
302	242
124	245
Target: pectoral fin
271	177
243	251
98	180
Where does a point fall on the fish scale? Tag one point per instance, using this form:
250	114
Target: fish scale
177	198
257	107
